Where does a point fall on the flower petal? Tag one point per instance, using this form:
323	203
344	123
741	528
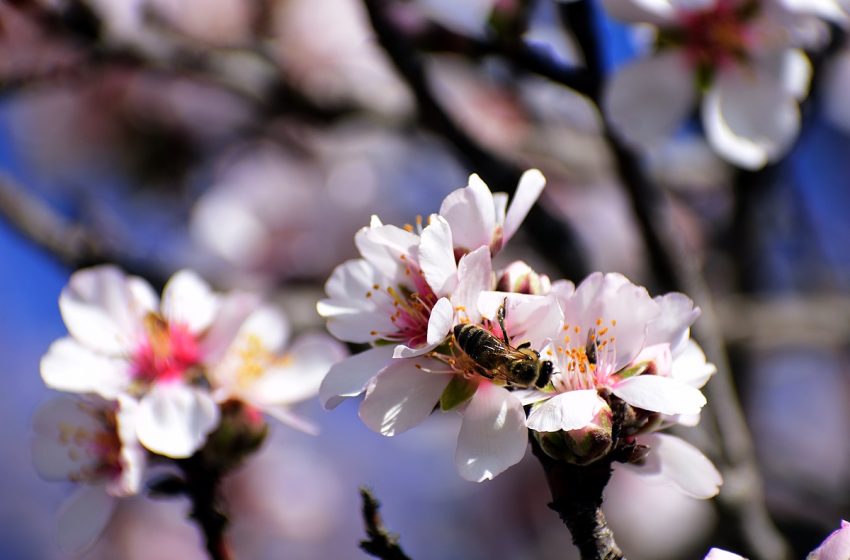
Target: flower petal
471	214
674	460
647	100
677	314
175	419
660	394
70	366
720	554
567	411
387	248
402	396
83	518
436	256
234	310
749	118
299	374
475	274
54	455
493	435
691	367
440	322
103	308
187	299
527	192
349	377
835	547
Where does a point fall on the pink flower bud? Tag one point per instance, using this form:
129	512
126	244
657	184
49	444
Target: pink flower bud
835	547
520	278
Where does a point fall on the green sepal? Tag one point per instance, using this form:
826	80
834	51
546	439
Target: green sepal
458	391
634	370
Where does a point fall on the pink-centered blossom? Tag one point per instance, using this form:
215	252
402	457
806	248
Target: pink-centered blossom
93	443
741	59
615	339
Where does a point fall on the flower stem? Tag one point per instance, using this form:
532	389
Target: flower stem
203	490
577	499
381	544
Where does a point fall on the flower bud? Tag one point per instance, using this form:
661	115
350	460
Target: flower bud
240	433
519	278
582	446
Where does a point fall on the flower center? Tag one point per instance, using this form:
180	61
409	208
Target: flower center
718	36
167	351
255	359
587	361
409	309
96	452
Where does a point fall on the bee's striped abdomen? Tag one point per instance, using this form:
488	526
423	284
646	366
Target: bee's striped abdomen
480	345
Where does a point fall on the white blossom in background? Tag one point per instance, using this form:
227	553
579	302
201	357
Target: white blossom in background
180	357
835	547
616	339
742	60
93	443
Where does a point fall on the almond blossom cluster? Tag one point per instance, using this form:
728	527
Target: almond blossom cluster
156	379
743	60
613	365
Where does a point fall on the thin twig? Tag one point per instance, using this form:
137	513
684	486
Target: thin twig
381	544
203	490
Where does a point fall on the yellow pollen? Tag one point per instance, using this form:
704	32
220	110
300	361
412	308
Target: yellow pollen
376	287
603	331
577	330
598	322
567	339
613	322
408	227
369	294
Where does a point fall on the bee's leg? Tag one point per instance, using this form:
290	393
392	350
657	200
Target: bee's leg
500	315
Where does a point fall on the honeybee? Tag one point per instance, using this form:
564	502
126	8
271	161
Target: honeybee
520	366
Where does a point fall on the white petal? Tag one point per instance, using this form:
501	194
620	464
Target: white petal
493	435
175	419
677	314
720	554
674	460
356	325
402	396
299	376
350	283
690	366
55	455
440	322
534	319
471	214
187	299
69	366
83	518
234	310
527	192
349	377
103	308
660	394
384	246
568	411
475	274
133	455
749	118
437	258
647	100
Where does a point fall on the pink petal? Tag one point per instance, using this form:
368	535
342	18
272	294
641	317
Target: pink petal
835	547
567	411
527	192
70	366
349	377
83	518
677	314
234	310
436	256
493	435
383	247
440	322
350	283
660	394
187	299
402	396
674	460
175	419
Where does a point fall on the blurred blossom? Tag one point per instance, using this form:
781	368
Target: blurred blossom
641	515
836	76
835	547
326	48
26	52
469	17
743	57
214	22
92	442
276	213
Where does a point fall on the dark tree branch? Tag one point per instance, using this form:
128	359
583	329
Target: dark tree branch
202	487
381	544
